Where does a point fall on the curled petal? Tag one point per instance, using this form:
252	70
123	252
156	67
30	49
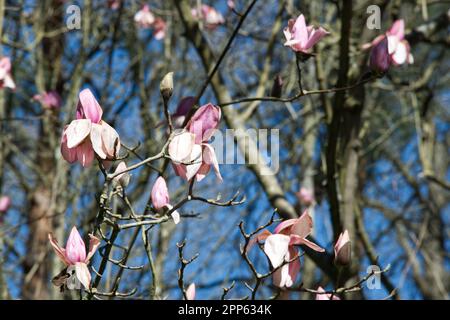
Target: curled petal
97	141
111	141
94	242
303	226
258	238
196	160
70	155
60	251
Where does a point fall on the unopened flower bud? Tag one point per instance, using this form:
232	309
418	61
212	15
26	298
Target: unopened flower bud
166	86
343	250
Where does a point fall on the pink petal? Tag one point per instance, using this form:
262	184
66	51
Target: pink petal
401	54
204	122
190	292
303	226
88	107
77	131
258	238
70	155
300	31
85	153
94	243
75	247
111	141
276	247
196	160
284	225
180	148
315	36
97	141
60	252
209	158
398	29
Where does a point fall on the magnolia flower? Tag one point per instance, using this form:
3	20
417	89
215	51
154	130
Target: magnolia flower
398	46
343	250
144	18
75	258
192	156
210	16
89	134
190	292
280	247
159	29
380	60
302	38
49	100
160	198
122	179
305	196
6	80
5	203
325	296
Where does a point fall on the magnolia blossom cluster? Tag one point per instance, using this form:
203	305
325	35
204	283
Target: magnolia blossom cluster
145	19
6	80
75	259
189	150
390	49
208	15
89	135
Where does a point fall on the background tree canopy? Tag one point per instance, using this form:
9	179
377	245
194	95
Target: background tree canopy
372	149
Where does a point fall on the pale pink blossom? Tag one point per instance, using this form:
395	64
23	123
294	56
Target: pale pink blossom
231	5
6	80
74	256
397	46
49	100
305	196
302	38
89	135
190	292
144	18
5	203
161	200
324	295
280	247
342	250
208	15
189	150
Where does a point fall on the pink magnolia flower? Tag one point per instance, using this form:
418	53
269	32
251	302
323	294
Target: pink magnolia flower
189	150
5	203
302	38
305	196
342	250
159	29
380	60
75	258
210	16
324	295
49	100
144	18
6	80
398	46
89	134
190	292
280	247
160	198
